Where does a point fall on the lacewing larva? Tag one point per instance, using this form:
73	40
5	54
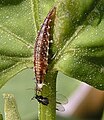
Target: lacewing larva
41	49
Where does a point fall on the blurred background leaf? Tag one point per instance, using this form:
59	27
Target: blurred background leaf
10	107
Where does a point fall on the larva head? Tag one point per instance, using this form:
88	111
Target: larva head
51	16
52	13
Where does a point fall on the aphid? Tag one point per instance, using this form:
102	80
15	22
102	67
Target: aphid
41	49
41	99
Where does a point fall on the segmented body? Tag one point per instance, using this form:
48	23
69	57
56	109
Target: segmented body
41	49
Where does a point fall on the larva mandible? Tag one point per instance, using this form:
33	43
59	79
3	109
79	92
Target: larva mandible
41	49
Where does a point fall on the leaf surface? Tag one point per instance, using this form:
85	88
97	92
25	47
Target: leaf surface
16	40
79	40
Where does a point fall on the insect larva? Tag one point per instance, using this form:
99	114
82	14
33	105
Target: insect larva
41	49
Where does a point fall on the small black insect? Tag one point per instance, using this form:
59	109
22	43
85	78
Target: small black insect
41	99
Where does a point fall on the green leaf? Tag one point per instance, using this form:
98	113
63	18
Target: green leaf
16	40
79	40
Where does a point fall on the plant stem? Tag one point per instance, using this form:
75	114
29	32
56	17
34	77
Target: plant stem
49	112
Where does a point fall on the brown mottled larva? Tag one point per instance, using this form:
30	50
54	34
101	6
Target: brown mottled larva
41	49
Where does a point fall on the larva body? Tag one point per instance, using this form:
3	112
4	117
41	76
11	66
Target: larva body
41	49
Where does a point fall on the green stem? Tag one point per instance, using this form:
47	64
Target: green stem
36	13
49	112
